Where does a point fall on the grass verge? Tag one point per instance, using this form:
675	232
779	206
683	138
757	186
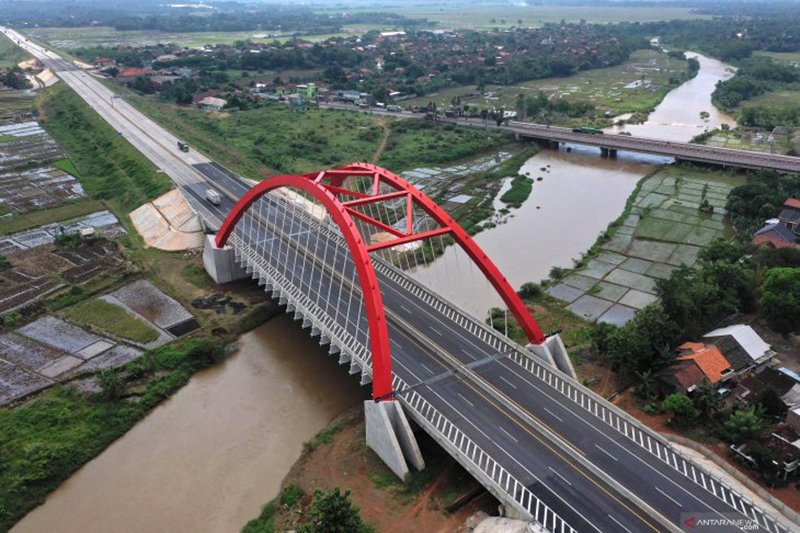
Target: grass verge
108	167
62	213
111	319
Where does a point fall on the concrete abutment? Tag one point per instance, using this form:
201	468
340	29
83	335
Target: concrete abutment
389	435
220	263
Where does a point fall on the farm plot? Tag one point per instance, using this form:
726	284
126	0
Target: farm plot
16	106
147	301
38	271
37	188
28	145
50	350
664	231
104	223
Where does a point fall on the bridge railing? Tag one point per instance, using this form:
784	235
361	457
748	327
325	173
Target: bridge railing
479	463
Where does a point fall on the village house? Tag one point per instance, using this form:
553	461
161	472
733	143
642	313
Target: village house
784	231
212	103
696	362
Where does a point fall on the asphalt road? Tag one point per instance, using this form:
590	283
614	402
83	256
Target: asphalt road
425	344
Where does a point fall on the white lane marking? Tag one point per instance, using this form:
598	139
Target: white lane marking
423	365
465	399
435	330
565	480
553	414
508	382
509	434
619	524
404	308
604	451
670	498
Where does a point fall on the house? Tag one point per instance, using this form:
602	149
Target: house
752	388
741	346
784	231
696	362
211	103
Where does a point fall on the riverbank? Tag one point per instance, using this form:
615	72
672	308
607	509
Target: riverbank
440	498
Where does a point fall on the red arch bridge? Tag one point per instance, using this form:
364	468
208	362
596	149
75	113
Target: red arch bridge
336	247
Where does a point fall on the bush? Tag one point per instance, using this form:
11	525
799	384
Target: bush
780	299
681	408
530	290
743	424
333	512
292	495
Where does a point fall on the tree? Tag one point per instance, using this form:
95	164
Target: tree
743	424
707	400
780	299
333	512
530	290
681	408
644	342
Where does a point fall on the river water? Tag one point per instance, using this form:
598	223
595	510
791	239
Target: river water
581	193
210	456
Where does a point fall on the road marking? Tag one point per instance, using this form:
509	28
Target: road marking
554	415
619	524
565	480
509	434
465	399
508	382
670	498
423	365
404	308
605	452
435	330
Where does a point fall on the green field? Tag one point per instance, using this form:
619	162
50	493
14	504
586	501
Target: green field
110	318
10	53
605	87
71	38
19	222
272	139
457	15
792	58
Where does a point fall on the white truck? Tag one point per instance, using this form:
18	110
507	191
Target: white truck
213	196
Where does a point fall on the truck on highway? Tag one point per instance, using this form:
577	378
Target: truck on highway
183	147
394	108
213	196
587	129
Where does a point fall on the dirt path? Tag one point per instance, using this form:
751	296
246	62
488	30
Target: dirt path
387	131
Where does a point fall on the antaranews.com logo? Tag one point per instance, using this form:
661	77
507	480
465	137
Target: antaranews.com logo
717	523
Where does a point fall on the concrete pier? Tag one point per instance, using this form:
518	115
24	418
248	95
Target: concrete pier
389	435
220	263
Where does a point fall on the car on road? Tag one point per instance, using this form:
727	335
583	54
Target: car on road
213	196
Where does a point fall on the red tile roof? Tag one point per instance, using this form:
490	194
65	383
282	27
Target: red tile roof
792	202
708	359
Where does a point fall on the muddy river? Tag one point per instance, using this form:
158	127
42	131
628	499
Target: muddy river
579	195
208	458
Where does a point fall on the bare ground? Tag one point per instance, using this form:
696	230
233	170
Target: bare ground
385	503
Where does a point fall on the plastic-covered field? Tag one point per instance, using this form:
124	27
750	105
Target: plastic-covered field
37	188
55	332
31	145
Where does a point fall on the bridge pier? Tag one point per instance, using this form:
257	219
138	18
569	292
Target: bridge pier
220	263
389	435
553	352
608	152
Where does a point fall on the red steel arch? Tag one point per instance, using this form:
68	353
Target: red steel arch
326	187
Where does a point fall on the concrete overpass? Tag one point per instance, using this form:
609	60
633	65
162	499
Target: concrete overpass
609	144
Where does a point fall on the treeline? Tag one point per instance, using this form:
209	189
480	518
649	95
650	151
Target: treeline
755	77
749	205
153	15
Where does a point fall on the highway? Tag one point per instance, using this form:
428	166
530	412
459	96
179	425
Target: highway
527	424
686	151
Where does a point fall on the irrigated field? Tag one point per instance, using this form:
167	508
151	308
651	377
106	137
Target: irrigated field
605	87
